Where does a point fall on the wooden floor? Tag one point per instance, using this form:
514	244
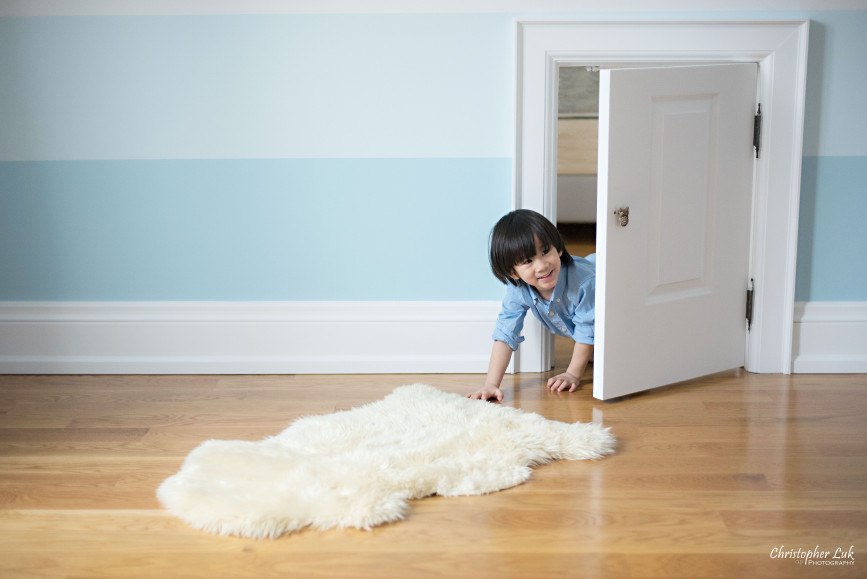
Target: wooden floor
580	238
710	477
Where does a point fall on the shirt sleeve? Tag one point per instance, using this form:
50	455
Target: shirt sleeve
584	318
510	322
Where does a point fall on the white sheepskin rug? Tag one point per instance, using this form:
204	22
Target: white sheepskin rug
358	468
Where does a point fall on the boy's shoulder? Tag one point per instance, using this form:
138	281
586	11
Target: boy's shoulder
581	272
583	265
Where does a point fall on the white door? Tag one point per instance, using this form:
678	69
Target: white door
675	147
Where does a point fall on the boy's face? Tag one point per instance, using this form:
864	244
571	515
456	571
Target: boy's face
541	271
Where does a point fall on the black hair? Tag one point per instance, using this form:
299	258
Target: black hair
513	241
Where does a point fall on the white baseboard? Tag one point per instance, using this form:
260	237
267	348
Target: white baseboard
830	338
245	337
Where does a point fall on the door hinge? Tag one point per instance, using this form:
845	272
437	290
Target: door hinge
750	290
757	130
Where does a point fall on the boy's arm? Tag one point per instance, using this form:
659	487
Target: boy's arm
570	379
501	353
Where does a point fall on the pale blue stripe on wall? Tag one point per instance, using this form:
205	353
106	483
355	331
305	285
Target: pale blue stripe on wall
244	230
832	238
201	87
412	85
321	229
835	123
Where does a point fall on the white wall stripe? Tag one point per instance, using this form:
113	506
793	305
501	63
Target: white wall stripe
818	312
319	337
830	337
245	338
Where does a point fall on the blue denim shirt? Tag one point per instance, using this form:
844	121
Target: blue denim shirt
571	311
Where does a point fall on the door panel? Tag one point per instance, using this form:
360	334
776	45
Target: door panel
675	148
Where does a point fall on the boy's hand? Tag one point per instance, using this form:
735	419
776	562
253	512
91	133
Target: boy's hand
563	381
487	393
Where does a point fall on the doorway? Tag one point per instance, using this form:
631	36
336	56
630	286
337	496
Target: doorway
675	147
577	160
780	50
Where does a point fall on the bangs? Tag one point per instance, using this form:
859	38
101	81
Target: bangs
523	247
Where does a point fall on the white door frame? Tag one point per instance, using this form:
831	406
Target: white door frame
779	48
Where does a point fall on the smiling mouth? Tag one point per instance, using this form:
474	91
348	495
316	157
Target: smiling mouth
546	277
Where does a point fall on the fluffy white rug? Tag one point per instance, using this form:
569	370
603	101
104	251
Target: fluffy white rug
359	468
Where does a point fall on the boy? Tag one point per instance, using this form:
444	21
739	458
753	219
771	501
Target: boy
529	255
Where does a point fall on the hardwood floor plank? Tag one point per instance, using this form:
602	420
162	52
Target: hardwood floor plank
71	435
816	519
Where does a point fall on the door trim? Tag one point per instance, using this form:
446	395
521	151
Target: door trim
779	48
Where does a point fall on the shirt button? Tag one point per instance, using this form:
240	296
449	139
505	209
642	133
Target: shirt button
551	314
558	300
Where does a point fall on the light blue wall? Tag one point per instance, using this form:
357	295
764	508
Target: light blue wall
241	87
318	157
253	157
261	229
832	244
832	239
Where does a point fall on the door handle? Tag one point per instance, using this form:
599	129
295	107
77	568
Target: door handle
622	216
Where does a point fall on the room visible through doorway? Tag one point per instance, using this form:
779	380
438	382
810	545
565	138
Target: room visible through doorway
577	154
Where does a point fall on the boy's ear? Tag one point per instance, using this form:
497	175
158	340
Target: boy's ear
514	276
